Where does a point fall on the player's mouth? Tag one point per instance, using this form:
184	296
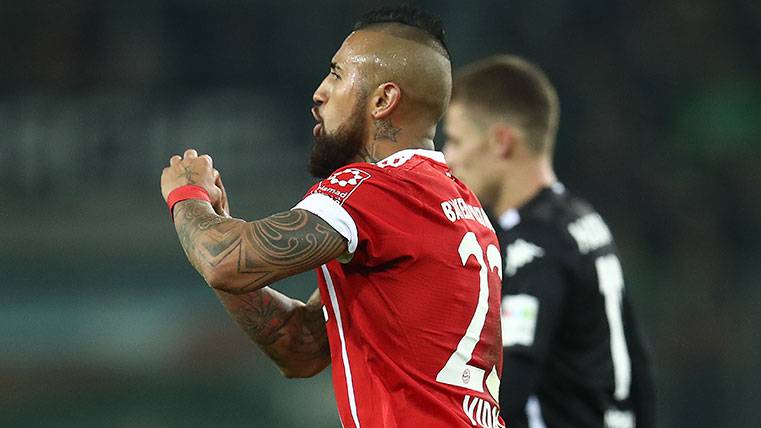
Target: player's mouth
318	127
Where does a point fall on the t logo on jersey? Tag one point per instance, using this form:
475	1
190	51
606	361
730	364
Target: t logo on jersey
342	184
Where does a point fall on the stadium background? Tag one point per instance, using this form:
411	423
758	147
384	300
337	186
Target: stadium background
104	323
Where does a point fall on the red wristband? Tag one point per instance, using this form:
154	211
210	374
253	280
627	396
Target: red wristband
183	193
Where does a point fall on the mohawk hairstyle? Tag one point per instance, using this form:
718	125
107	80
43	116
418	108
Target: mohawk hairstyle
407	15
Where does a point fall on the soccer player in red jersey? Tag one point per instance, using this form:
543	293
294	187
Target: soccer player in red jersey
409	268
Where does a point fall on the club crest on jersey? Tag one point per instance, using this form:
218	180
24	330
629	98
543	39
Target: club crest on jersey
348	177
341	184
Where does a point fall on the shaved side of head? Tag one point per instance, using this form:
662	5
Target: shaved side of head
424	74
406	46
410	33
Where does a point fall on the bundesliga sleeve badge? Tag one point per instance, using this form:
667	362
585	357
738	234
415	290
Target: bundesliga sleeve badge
342	184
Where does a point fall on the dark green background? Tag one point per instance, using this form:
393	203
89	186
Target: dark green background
104	323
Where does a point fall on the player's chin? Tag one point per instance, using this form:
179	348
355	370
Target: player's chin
324	161
318	166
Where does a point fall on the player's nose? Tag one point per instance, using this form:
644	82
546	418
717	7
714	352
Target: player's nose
320	95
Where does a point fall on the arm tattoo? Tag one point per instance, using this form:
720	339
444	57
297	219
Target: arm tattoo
291	333
385	130
253	255
256	253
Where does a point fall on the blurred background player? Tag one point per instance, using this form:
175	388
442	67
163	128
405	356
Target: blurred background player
408	263
572	354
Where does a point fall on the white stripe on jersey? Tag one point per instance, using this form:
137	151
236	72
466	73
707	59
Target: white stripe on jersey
534	413
344	354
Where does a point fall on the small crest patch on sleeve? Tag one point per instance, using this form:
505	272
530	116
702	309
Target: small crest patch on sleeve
519	316
341	184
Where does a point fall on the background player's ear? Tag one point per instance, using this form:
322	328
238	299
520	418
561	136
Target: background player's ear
385	99
502	138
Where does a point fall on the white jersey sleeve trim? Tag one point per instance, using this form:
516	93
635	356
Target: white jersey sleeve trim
334	214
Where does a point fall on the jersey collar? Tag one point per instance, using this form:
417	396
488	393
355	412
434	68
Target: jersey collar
509	219
512	217
408	153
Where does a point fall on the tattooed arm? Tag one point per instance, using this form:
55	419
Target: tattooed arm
290	332
239	257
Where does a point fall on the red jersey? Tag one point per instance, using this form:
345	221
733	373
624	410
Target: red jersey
413	309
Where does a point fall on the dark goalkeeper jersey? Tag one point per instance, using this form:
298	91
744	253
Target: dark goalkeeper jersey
572	353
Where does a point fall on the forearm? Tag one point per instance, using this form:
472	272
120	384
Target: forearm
290	332
206	238
239	257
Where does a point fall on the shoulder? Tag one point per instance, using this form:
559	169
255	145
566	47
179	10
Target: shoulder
562	223
390	175
347	180
554	208
585	226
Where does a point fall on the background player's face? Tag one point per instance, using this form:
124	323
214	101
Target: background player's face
341	111
467	153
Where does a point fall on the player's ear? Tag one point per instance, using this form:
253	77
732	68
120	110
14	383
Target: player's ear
502	138
384	100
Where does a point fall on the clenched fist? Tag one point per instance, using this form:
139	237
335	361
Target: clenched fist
198	171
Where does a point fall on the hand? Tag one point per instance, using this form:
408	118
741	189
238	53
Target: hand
222	207
195	170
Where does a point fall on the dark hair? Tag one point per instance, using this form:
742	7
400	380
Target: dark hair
511	88
406	15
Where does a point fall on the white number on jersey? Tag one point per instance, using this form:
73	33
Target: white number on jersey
457	371
611	280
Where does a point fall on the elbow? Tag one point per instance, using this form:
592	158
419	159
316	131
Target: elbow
305	368
290	373
226	278
220	279
299	372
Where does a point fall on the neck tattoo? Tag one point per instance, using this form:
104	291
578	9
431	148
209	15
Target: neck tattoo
385	130
367	156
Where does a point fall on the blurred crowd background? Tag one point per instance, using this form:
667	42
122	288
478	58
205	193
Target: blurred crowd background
104	323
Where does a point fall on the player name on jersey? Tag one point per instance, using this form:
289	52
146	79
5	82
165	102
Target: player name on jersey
458	209
481	413
590	233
